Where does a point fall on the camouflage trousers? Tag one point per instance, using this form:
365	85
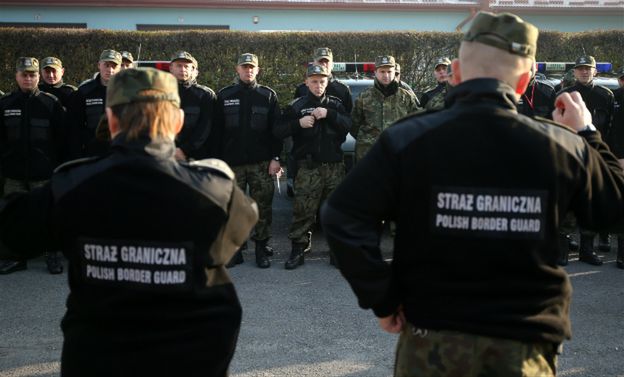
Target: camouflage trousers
362	148
313	184
14	185
261	188
428	353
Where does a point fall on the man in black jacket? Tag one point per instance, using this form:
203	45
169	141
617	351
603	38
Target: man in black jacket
538	99
244	130
198	102
318	124
32	143
477	192
86	108
146	237
52	72
599	101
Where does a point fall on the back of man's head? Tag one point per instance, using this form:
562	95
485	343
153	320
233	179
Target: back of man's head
498	46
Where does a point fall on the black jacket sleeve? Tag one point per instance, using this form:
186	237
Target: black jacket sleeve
196	144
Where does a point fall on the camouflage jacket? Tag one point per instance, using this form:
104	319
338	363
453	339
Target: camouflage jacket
436	100
373	112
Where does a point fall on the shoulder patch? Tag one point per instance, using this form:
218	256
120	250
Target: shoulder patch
75	163
86	84
265	90
212	164
73	88
291	103
226	91
205	89
605	90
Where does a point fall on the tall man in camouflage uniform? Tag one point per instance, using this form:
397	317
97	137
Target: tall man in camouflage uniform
599	101
52	72
198	103
439	92
32	142
318	124
86	108
379	106
247	113
473	286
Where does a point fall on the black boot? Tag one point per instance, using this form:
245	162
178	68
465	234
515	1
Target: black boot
619	262
236	259
564	244
296	258
604	242
53	261
10	266
586	253
261	253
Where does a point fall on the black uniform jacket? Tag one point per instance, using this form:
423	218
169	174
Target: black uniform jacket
32	137
538	100
334	88
61	91
247	114
198	103
599	101
477	192
85	110
320	143
617	125
146	239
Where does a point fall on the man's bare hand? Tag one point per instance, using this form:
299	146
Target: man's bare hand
275	168
393	323
570	110
307	121
319	113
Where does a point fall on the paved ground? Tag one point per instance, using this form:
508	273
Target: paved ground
306	322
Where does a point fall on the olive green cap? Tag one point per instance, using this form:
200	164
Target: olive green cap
384	61
183	55
442	61
130	85
51	61
585	61
125	55
323	53
27	64
317	70
248	58
110	56
505	31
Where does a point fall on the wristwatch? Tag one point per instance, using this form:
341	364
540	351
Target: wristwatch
589	128
276	158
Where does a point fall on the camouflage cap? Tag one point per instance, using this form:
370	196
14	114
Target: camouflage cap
248	58
384	61
183	55
442	61
27	64
125	55
51	61
110	56
130	85
505	31
585	61
323	53
317	70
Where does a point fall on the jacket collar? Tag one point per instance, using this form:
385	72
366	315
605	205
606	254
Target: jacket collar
480	90
160	149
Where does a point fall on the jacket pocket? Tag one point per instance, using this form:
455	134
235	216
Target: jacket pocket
13	129
191	116
232	117
94	114
259	118
40	129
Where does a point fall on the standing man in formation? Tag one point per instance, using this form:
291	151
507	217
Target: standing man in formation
127	60
379	106
439	92
538	99
52	72
473	284
198	103
599	101
318	124
32	141
248	113
86	108
403	84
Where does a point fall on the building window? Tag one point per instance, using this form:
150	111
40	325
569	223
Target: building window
153	27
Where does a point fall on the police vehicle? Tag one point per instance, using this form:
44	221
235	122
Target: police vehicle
552	73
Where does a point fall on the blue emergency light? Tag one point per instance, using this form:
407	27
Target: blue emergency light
549	67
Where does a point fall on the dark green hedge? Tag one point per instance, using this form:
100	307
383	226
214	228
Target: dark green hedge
282	55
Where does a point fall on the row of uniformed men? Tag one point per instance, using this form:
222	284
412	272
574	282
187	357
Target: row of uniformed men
242	126
45	124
